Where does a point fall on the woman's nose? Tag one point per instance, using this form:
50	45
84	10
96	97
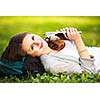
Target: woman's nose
36	43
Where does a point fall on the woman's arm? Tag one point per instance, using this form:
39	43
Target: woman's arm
72	33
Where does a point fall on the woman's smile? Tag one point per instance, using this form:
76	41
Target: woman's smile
41	45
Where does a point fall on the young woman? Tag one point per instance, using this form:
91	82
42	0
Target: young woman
14	61
57	56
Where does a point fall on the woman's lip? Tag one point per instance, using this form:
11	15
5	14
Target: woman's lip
41	45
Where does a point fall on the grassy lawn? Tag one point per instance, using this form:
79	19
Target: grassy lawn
89	25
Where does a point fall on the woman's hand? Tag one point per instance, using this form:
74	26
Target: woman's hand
71	33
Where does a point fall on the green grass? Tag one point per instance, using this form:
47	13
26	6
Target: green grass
89	25
54	78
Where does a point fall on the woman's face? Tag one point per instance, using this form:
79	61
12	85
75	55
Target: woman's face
34	45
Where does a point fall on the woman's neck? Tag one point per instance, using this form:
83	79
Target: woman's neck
49	50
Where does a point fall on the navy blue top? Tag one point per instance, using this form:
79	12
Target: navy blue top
11	68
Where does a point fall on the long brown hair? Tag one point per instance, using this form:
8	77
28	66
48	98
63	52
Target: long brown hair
13	51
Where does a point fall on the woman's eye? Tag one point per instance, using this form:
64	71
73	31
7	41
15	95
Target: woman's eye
32	47
32	37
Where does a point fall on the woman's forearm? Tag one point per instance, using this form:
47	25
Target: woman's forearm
81	48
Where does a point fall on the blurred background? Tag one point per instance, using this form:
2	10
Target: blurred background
10	25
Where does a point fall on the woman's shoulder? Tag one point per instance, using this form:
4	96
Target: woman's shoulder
57	57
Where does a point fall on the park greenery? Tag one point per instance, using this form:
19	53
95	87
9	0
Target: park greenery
89	25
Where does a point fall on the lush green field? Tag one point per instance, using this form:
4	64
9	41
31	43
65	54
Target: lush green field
90	27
